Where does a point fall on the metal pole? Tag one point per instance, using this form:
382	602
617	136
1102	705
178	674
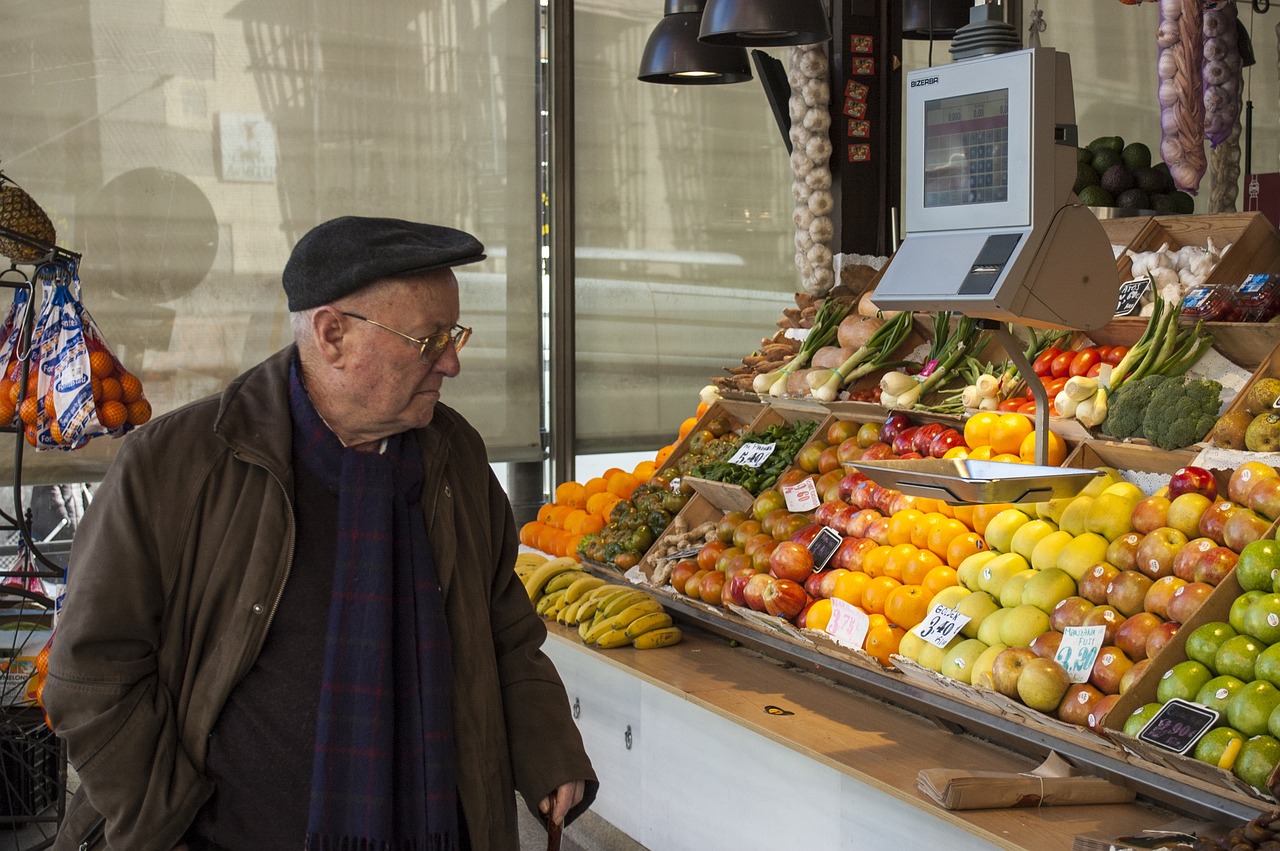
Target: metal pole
562	308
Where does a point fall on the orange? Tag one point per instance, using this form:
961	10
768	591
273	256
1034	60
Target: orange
571	494
31	407
687	426
946	509
1057	449
546	538
964	545
921	531
977	429
101	364
622	484
963	513
942	534
544	513
876	594
983	513
882	642
819	614
876	621
901	524
591	524
926	504
703	407
130	388
599	503
529	533
1007	458
573	521
874	561
663	454
644	470
55	431
50	408
594	486
556	518
110	390
906	606
6	411
849	587
896	563
956	452
1008	432
919	565
571	547
942	576
980	453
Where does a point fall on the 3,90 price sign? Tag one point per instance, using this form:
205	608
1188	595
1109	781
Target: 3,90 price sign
940	625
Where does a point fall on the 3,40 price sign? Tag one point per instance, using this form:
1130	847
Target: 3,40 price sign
1079	650
940	625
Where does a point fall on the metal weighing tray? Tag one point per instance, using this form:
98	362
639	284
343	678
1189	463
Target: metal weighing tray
959	480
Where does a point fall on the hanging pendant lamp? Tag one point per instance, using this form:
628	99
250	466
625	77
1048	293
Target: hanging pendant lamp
673	54
764	23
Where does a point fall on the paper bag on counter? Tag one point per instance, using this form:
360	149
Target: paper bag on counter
1055	782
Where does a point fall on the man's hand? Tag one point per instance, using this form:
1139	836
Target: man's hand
568	796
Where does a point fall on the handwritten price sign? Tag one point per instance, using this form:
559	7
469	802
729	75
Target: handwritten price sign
941	625
1079	650
1178	725
801	497
753	454
848	624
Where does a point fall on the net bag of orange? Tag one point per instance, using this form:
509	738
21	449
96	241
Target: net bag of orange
13	355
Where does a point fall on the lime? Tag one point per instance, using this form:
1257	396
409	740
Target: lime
1214	743
1258	758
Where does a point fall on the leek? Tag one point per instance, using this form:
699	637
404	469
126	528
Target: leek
826	384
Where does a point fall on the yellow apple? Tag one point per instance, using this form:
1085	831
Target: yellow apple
1185	511
1045	555
1029	534
1128	490
911	645
1000	529
1052	510
931	655
997	571
1076	513
950	596
1047	589
976	607
1107	476
970	570
1109	513
1022	624
989	631
1011	590
980	675
1081	553
958	662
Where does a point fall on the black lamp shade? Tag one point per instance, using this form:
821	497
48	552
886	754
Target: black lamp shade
764	23
673	54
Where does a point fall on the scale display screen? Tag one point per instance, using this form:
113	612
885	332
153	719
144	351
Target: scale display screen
966	149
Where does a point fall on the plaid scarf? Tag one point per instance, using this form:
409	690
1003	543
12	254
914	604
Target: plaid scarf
383	772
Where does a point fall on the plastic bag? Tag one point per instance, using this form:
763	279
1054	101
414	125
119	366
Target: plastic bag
12	354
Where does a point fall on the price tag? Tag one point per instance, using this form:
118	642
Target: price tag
753	454
823	546
848	624
802	497
1178	725
940	625
1079	649
1131	293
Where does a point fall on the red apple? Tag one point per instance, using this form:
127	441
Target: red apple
1214	565
856	527
878	530
1245	477
1123	551
1093	585
1192	480
784	598
923	439
1159	595
1132	634
893	426
946	440
905	441
760	558
1243	527
877	452
791	560
829	579
1135	673
1108	668
813	585
1184	563
753	591
912	456
805	534
1098	714
1069	612
848	481
1149	514
1160	636
1214	519
1264	498
1107	616
851	552
1187	599
1157	550
849	450
1007	668
737	586
1045	645
825	514
1127	591
1078	702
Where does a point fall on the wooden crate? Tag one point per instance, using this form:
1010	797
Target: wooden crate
740	413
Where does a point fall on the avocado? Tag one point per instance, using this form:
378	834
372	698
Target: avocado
1134	199
1162	203
1113	143
1085	176
1149	180
1166	179
1096	196
1262	396
1136	156
1263	434
1103	159
1183	204
1084	156
1117	179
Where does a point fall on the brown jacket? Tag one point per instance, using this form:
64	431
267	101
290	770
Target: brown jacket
175	573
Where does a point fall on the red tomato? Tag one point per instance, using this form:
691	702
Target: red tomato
1043	361
1095	369
1027	408
1012	404
1061	364
1116	355
1054	385
1103	351
1084	359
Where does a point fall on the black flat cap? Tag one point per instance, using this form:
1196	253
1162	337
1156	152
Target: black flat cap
343	255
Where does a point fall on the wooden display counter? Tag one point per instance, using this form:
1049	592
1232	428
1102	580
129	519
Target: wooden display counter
706	745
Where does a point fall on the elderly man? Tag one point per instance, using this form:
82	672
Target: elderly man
292	619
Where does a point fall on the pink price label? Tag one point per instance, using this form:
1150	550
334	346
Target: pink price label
848	624
801	497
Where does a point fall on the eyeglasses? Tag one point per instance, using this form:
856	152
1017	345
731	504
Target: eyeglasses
431	345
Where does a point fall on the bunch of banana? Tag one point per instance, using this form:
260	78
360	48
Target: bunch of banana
613	616
527	563
536	582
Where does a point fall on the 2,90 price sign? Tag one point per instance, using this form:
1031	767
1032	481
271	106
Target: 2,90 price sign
940	625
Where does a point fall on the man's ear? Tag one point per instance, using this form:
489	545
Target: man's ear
328	332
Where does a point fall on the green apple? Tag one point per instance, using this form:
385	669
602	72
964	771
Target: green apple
958	662
1139	718
1214	743
1043	684
1045	555
1074	515
1047	589
1235	615
1250	708
1000	529
911	645
989	629
1259	565
1026	536
981	673
970	570
1267	665
976	607
1184	680
931	655
1262	619
950	596
1022	624
997	571
1081	553
1203	642
1257	759
1011	590
1237	656
1217	693
1109	515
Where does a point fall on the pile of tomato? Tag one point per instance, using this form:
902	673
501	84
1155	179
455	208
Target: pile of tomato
1054	366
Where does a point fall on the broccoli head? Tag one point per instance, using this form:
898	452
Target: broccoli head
1127	407
1181	412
